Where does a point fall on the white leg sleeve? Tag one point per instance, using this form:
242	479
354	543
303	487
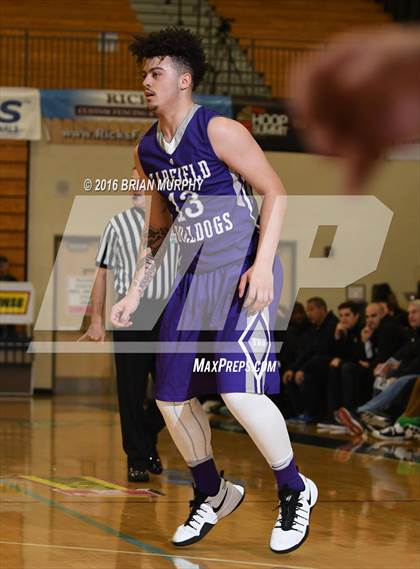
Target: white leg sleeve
264	423
189	428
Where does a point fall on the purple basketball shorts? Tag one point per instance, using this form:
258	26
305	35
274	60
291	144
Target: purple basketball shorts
208	343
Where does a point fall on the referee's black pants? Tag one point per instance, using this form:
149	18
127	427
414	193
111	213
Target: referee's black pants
141	420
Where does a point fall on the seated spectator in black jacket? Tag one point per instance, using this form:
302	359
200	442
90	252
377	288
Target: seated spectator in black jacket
348	348
382	335
381	338
295	336
294	341
386	297
307	376
406	360
399	314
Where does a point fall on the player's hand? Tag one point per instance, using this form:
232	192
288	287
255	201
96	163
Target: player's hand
95	332
364	364
121	311
335	362
299	377
260	284
287	376
361	96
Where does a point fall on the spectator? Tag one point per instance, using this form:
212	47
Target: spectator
294	341
404	361
306	377
382	336
384	295
400	372
348	349
399	314
296	334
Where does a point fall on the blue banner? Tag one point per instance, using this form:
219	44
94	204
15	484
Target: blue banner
114	105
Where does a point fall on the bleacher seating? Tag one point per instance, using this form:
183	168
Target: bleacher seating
303	20
291	26
33	33
94	15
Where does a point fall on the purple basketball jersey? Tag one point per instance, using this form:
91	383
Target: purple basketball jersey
213	208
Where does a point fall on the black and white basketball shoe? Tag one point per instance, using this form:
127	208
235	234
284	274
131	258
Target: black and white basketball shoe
292	526
206	511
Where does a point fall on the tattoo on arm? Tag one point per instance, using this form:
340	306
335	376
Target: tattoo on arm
155	237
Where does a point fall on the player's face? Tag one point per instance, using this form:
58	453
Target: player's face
414	315
162	83
347	318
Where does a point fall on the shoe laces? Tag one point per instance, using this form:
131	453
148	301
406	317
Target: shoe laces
196	503
289	506
195	507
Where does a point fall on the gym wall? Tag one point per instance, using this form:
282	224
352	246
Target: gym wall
56	177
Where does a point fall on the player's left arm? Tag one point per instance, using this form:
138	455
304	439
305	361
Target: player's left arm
236	147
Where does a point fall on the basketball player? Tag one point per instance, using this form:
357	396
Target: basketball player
213	156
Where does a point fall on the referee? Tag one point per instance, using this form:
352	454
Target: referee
118	250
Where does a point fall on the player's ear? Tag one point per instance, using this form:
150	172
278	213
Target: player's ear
185	81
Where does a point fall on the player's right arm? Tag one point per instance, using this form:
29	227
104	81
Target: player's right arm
152	250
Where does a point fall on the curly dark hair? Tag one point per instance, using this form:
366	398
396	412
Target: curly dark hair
183	47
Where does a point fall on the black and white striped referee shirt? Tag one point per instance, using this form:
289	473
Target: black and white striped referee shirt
118	250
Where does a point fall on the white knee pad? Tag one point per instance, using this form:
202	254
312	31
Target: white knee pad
189	428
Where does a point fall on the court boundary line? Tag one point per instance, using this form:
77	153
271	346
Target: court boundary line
168	556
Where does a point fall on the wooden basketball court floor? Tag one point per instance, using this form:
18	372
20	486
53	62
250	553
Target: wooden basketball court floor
65	503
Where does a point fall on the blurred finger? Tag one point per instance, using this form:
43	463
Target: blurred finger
242	285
